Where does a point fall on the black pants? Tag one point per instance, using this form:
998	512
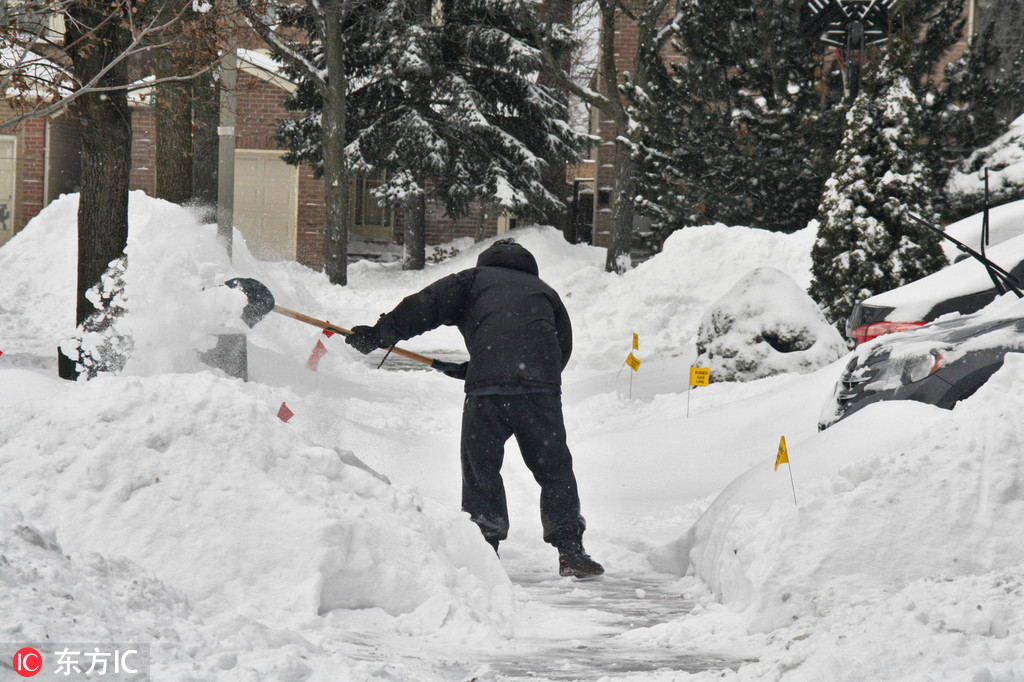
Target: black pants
535	419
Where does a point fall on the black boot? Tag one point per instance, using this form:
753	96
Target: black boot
574	562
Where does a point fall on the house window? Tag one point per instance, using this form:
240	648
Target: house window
369	220
367	211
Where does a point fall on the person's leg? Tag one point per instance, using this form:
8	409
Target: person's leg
484	432
540	431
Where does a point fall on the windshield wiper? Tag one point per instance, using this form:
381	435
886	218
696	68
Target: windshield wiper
1002	279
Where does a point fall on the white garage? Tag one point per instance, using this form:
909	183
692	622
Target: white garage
266	203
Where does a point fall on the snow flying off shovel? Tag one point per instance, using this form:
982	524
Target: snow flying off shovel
261	303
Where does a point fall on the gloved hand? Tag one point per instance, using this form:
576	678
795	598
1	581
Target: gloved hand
455	371
364	339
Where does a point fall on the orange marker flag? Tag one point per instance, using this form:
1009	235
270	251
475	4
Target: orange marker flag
783	456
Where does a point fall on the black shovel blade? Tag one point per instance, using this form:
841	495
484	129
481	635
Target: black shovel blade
260	300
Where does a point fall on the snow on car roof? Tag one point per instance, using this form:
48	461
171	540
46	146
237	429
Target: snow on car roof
1005	222
1006	248
912	301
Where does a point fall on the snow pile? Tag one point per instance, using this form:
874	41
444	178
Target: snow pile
1005	223
227	505
38	282
169	505
190	474
664	298
174	306
765	325
908	522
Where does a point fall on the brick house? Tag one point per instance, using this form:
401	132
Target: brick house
279	208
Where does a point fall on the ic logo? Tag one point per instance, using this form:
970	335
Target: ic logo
28	662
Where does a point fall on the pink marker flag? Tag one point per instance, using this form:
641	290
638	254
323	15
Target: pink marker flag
319	350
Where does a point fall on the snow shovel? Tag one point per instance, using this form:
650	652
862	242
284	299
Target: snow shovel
261	303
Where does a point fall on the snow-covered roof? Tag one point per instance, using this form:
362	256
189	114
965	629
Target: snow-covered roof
33	67
260	64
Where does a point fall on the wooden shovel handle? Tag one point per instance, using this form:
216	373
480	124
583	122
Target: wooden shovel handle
327	326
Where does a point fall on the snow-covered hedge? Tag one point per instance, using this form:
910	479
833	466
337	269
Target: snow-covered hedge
765	325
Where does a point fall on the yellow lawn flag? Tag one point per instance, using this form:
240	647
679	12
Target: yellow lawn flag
636	341
783	456
700	376
633	362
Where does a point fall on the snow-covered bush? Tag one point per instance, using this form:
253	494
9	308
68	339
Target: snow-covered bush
99	344
1004	160
765	325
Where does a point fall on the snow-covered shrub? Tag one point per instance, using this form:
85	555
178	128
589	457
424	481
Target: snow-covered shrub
765	325
99	344
1004	160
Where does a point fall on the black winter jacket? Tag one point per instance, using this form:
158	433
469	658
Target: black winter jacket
516	328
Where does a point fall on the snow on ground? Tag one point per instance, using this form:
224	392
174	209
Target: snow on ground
169	505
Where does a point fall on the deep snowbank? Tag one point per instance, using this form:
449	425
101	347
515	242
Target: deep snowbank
908	522
191	475
168	504
201	484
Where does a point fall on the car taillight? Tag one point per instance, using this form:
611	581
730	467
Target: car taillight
866	332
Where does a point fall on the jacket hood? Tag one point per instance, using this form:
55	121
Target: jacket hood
508	254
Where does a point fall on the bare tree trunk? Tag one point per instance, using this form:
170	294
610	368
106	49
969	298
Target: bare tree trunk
620	237
173	114
106	144
206	95
654	26
553	175
485	212
336	172
415	253
174	142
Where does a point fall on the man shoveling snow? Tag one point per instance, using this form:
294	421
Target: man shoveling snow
519	339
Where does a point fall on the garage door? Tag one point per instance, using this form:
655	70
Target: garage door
8	147
266	203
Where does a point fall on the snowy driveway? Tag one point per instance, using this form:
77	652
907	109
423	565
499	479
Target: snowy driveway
577	630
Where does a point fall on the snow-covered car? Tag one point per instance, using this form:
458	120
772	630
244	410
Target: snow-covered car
939	364
963	287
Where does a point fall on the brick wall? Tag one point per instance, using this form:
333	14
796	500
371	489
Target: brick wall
31	169
29	166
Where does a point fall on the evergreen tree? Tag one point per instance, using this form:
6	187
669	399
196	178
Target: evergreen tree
867	243
739	129
318	41
445	102
979	96
927	29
